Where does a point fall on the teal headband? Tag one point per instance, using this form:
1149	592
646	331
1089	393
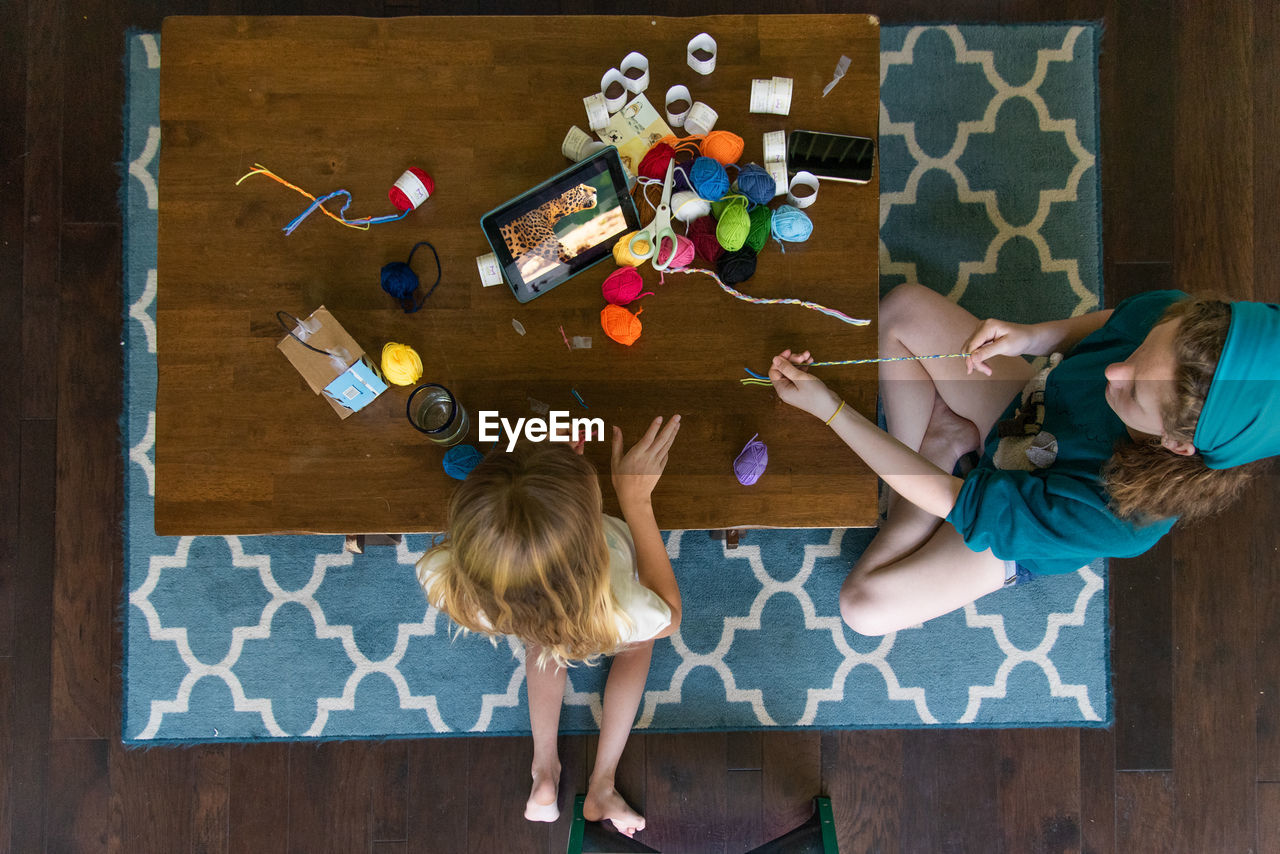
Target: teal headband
1240	421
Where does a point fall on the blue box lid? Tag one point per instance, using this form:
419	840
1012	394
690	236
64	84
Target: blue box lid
356	387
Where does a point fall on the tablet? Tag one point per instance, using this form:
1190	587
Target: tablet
561	227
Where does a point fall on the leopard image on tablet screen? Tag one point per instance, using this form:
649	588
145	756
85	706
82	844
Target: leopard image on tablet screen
531	237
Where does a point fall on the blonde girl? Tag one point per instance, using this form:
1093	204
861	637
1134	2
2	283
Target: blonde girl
530	553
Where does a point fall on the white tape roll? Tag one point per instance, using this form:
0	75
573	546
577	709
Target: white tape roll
775	146
802	179
597	112
778	170
677	94
611	78
635	70
701	119
490	272
702	43
771	96
578	144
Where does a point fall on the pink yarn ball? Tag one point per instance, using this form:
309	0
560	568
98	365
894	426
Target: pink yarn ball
684	253
623	286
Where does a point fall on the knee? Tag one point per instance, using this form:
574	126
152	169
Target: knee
900	305
862	610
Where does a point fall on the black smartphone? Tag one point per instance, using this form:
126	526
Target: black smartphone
834	156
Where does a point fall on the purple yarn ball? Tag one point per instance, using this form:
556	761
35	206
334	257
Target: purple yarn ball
751	462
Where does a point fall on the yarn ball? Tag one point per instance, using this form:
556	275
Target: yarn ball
400	364
655	160
738	266
403	202
623	286
622	252
756	184
751	462
733	228
709	178
620	325
687	206
758	234
680	176
683	255
703	234
724	146
460	460
790	223
399	280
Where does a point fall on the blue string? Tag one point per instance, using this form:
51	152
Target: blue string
375	220
754	374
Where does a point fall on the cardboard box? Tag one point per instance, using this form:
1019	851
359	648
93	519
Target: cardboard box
332	363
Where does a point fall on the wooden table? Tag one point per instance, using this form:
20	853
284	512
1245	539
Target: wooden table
243	446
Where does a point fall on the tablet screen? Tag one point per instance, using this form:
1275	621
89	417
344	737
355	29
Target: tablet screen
560	228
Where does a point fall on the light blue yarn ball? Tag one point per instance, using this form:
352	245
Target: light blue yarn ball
791	224
709	178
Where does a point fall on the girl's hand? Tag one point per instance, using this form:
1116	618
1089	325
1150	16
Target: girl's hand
636	473
995	338
799	388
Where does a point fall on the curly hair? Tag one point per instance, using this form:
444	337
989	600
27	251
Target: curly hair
525	555
1147	481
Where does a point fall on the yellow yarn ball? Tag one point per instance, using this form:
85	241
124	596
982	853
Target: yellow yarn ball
622	252
400	364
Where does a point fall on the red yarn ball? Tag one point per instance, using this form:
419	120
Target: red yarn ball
403	202
703	234
654	163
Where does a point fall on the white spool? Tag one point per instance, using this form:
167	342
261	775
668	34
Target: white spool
802	179
701	119
597	112
675	94
578	145
632	62
610	77
771	96
490	272
702	41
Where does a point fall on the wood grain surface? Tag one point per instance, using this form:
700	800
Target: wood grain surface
243	446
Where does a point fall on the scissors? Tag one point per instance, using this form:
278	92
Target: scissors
650	237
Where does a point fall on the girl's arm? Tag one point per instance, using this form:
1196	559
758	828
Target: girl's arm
635	474
995	337
906	472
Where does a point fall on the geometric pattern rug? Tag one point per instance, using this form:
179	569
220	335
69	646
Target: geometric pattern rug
989	187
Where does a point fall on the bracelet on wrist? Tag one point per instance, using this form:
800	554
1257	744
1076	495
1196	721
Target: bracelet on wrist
834	414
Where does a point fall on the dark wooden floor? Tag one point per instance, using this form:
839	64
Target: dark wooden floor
1191	115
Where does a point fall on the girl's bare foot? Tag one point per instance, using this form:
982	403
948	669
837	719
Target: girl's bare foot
604	802
542	804
948	437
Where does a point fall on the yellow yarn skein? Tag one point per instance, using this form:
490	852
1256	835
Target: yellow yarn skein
401	365
622	252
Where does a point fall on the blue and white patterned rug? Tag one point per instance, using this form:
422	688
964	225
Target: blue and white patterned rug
989	194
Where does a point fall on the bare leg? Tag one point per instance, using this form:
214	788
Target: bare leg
546	695
622	693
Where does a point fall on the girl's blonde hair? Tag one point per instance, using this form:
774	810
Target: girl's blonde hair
1146	480
525	554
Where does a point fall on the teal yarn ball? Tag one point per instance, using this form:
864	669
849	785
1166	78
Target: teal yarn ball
709	178
460	460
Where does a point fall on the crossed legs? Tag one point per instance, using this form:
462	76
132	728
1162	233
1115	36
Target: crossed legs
622	693
918	566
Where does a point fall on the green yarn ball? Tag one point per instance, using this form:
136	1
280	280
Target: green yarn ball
733	228
758	232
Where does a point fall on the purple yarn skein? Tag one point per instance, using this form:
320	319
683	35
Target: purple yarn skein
751	462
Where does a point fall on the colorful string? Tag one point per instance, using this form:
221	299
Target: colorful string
813	306
361	223
757	379
579	397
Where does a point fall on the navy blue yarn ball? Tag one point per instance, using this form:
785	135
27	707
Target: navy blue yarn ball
399	280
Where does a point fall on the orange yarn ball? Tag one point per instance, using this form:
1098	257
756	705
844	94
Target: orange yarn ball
723	145
620	325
